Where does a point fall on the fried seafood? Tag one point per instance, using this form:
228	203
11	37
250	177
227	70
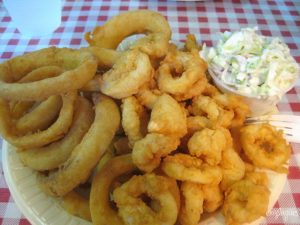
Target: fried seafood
101	210
154	25
245	202
134	119
189	67
39	138
130	72
164	122
147	152
188	168
79	67
87	153
208	144
213	197
134	211
192	203
51	156
265	146
191	43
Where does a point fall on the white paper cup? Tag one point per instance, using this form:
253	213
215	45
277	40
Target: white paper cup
258	105
34	18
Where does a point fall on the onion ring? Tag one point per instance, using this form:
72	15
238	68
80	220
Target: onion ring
87	153
101	210
80	67
110	35
51	156
37	139
134	211
188	168
130	72
265	146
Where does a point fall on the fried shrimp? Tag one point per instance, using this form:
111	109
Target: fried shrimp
154	25
265	146
213	197
100	205
51	156
245	202
208	144
192	203
131	71
188	168
147	152
39	138
87	153
133	117
134	211
190	68
164	122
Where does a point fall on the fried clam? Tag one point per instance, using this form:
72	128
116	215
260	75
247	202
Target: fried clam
167	117
79	67
245	202
87	153
191	204
265	146
184	167
208	144
134	211
134	119
154	25
51	156
179	71
233	167
100	205
147	152
131	71
40	138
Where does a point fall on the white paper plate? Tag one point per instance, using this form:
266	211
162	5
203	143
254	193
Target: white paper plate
41	209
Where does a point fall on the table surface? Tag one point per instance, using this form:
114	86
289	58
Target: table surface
205	20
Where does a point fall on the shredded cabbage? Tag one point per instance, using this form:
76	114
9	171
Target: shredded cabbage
251	63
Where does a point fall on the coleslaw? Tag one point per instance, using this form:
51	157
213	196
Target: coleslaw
252	64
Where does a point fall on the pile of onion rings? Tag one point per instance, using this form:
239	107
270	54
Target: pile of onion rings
139	136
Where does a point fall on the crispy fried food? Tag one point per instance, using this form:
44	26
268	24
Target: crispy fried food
51	156
245	202
192	203
41	138
265	146
79	67
87	153
147	152
148	97
191	43
134	211
168	117
197	123
189	67
213	197
259	178
76	205
101	210
233	167
188	168
154	25
208	144
131	71
134	119
40	117
121	146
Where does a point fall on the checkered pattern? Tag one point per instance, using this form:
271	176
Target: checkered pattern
205	19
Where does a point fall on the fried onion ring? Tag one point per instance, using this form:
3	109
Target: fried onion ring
79	66
87	153
265	146
101	210
134	211
51	156
37	139
157	30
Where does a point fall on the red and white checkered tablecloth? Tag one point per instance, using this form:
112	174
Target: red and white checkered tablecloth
204	19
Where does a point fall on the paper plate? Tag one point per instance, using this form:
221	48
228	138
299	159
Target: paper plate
41	209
